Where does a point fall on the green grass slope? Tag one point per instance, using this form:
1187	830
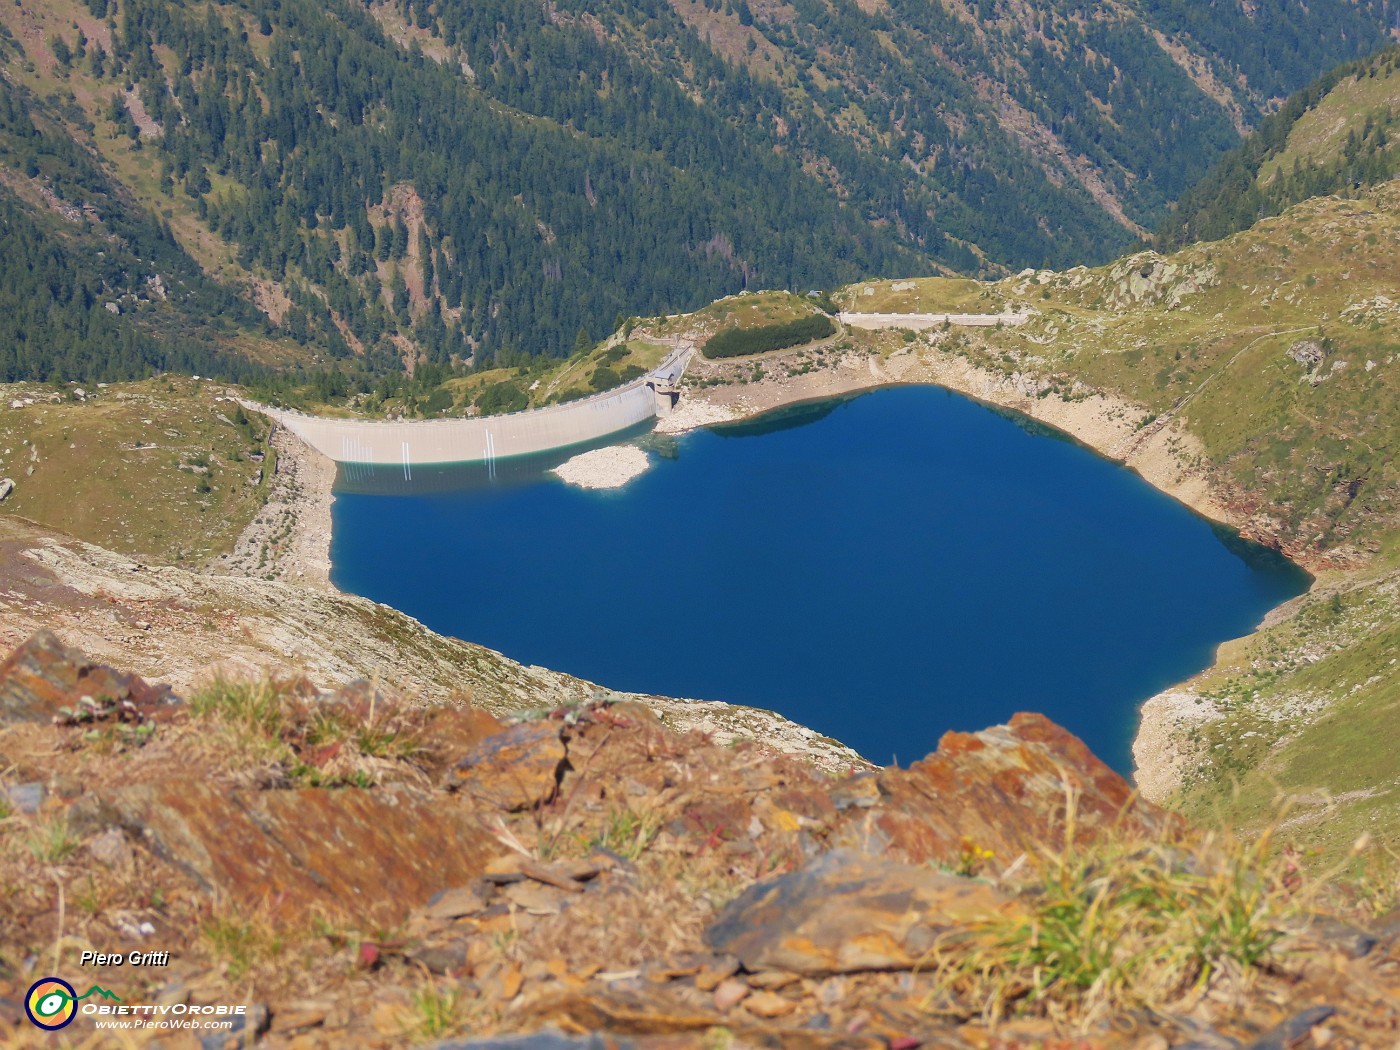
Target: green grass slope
1304	711
166	469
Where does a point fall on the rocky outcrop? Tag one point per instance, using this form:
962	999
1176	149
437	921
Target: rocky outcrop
291	854
1006	791
1147	279
848	913
44	676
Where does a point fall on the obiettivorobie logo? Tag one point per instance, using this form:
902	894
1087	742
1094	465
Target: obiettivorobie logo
52	1003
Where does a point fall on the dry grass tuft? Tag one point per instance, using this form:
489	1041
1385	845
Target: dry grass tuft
240	942
1130	923
626	832
310	741
439	1009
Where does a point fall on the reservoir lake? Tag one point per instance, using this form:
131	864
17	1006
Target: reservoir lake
881	568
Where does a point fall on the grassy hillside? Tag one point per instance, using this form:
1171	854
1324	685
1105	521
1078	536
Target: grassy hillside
921	295
1305	710
1345	120
164	470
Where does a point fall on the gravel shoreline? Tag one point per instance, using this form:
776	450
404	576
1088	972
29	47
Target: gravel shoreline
692	413
1162	749
290	539
1165	458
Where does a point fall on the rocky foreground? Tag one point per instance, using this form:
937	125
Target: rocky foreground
360	871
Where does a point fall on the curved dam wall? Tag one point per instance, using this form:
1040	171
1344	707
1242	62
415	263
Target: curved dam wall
478	440
485	439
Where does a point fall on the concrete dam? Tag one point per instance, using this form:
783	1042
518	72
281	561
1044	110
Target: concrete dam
407	443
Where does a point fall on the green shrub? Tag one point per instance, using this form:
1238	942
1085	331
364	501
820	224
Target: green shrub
739	342
500	397
439	400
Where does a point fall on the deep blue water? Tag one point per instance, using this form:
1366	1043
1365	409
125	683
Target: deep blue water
882	569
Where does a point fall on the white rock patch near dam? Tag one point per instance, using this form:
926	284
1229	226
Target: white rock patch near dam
604	468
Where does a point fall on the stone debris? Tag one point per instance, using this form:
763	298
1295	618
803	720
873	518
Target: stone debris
692	414
517	769
730	993
1308	353
1330	932
98	600
455	903
592	879
768	1005
111	849
24	798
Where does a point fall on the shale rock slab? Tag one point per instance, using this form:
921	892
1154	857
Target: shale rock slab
44	675
375	853
845	913
515	770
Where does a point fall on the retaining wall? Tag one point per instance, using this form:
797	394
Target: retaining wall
919	322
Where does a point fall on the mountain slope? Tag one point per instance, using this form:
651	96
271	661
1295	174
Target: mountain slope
395	183
94	286
381	201
1026	132
1337	135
